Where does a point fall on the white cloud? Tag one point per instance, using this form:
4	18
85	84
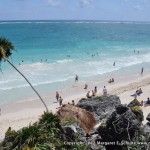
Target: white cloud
138	7
53	3
85	2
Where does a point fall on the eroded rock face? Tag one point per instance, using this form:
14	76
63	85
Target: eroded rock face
122	125
146	127
148	117
102	106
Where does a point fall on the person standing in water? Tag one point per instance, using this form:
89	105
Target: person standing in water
142	70
114	64
76	78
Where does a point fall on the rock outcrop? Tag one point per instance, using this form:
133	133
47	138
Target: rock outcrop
146	127
102	106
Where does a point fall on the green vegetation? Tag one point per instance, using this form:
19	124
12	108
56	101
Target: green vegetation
46	134
68	122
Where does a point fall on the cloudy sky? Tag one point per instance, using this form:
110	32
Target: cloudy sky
126	10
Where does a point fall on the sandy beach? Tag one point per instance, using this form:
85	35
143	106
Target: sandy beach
20	114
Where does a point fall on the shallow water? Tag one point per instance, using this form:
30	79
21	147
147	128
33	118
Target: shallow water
68	47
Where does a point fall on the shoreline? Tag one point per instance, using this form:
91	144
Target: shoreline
20	114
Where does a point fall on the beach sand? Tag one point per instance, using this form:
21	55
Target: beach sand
22	113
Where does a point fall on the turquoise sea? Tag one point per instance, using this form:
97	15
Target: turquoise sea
51	53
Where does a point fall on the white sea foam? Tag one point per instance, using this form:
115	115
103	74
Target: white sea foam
64	61
76	22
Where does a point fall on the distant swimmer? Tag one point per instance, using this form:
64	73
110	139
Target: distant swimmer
142	70
76	78
41	60
134	50
138	52
46	60
114	64
19	64
22	61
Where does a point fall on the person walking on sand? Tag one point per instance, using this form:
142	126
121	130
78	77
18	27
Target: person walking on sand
73	103
76	78
60	101
104	91
86	86
142	70
93	93
57	96
88	94
95	89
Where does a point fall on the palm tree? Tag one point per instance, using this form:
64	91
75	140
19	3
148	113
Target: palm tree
5	52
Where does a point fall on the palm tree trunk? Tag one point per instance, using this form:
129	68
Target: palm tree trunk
29	84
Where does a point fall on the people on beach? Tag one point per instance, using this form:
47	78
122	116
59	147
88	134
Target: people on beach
112	80
109	81
73	103
139	91
57	96
86	86
88	94
95	89
60	101
104	91
142	103
142	71
93	93
76	78
148	101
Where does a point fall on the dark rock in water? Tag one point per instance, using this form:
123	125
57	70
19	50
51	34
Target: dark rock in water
148	117
101	106
135	102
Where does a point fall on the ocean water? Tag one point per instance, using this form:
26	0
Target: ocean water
51	53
